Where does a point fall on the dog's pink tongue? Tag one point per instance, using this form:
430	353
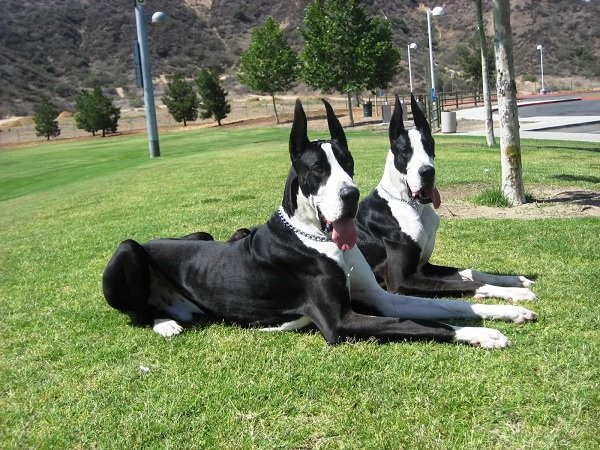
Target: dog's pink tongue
344	234
435	198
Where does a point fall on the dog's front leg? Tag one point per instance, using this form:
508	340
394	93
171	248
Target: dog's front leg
366	290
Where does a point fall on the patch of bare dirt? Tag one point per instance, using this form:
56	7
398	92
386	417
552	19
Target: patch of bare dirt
548	202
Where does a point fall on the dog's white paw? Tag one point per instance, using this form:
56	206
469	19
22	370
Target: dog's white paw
516	294
167	327
522	295
481	337
526	282
508	313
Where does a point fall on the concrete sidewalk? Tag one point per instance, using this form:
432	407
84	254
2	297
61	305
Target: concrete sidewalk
542	127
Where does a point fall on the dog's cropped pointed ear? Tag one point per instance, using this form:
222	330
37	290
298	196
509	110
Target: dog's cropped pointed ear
336	131
396	123
298	137
418	116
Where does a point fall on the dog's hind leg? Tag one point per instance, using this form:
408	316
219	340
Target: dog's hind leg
367	293
517	281
480	285
240	233
126	282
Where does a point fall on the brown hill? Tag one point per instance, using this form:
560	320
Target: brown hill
57	48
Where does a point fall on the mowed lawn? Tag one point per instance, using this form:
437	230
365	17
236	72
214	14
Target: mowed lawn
74	374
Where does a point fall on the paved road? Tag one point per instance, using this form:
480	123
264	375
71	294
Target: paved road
557	118
576	108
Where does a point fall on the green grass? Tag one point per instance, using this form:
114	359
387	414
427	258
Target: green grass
70	366
491	197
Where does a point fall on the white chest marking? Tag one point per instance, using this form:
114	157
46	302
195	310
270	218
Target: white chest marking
408	218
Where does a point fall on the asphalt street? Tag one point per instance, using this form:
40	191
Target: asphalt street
570	118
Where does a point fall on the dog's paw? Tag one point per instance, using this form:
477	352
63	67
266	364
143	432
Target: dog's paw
516	294
521	295
508	313
167	327
526	282
481	337
521	315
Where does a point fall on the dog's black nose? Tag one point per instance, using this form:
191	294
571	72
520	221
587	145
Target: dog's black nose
349	196
427	174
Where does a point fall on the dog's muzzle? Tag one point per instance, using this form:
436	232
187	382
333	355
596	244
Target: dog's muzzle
349	196
342	228
428	193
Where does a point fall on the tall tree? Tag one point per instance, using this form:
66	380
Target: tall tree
346	51
510	139
485	76
469	60
269	65
94	112
45	119
213	98
181	100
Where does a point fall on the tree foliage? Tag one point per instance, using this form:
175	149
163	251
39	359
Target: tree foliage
45	119
95	112
213	98
269	65
469	59
181	100
345	50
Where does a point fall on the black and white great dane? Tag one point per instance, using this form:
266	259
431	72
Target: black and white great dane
397	224
302	267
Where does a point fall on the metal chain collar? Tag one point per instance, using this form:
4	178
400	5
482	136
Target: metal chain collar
300	232
408	202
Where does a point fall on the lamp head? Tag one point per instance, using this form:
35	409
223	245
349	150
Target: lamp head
539	47
159	17
437	11
412	46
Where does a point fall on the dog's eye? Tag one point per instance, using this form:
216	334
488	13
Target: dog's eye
318	168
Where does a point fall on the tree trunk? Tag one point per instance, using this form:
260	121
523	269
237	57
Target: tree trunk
275	109
219	122
350	110
487	99
184	122
510	140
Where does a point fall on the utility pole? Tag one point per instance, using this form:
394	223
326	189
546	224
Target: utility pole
142	40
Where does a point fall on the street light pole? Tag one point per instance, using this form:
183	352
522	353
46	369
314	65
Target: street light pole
411	46
541	49
149	107
437	11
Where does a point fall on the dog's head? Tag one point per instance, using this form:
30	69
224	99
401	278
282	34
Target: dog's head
414	151
321	191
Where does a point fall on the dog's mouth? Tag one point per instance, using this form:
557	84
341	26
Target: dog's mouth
427	194
343	231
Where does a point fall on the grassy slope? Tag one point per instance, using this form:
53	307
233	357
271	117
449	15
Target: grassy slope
70	366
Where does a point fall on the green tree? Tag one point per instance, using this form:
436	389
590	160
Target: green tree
345	50
95	111
181	100
469	59
45	119
213	98
269	65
